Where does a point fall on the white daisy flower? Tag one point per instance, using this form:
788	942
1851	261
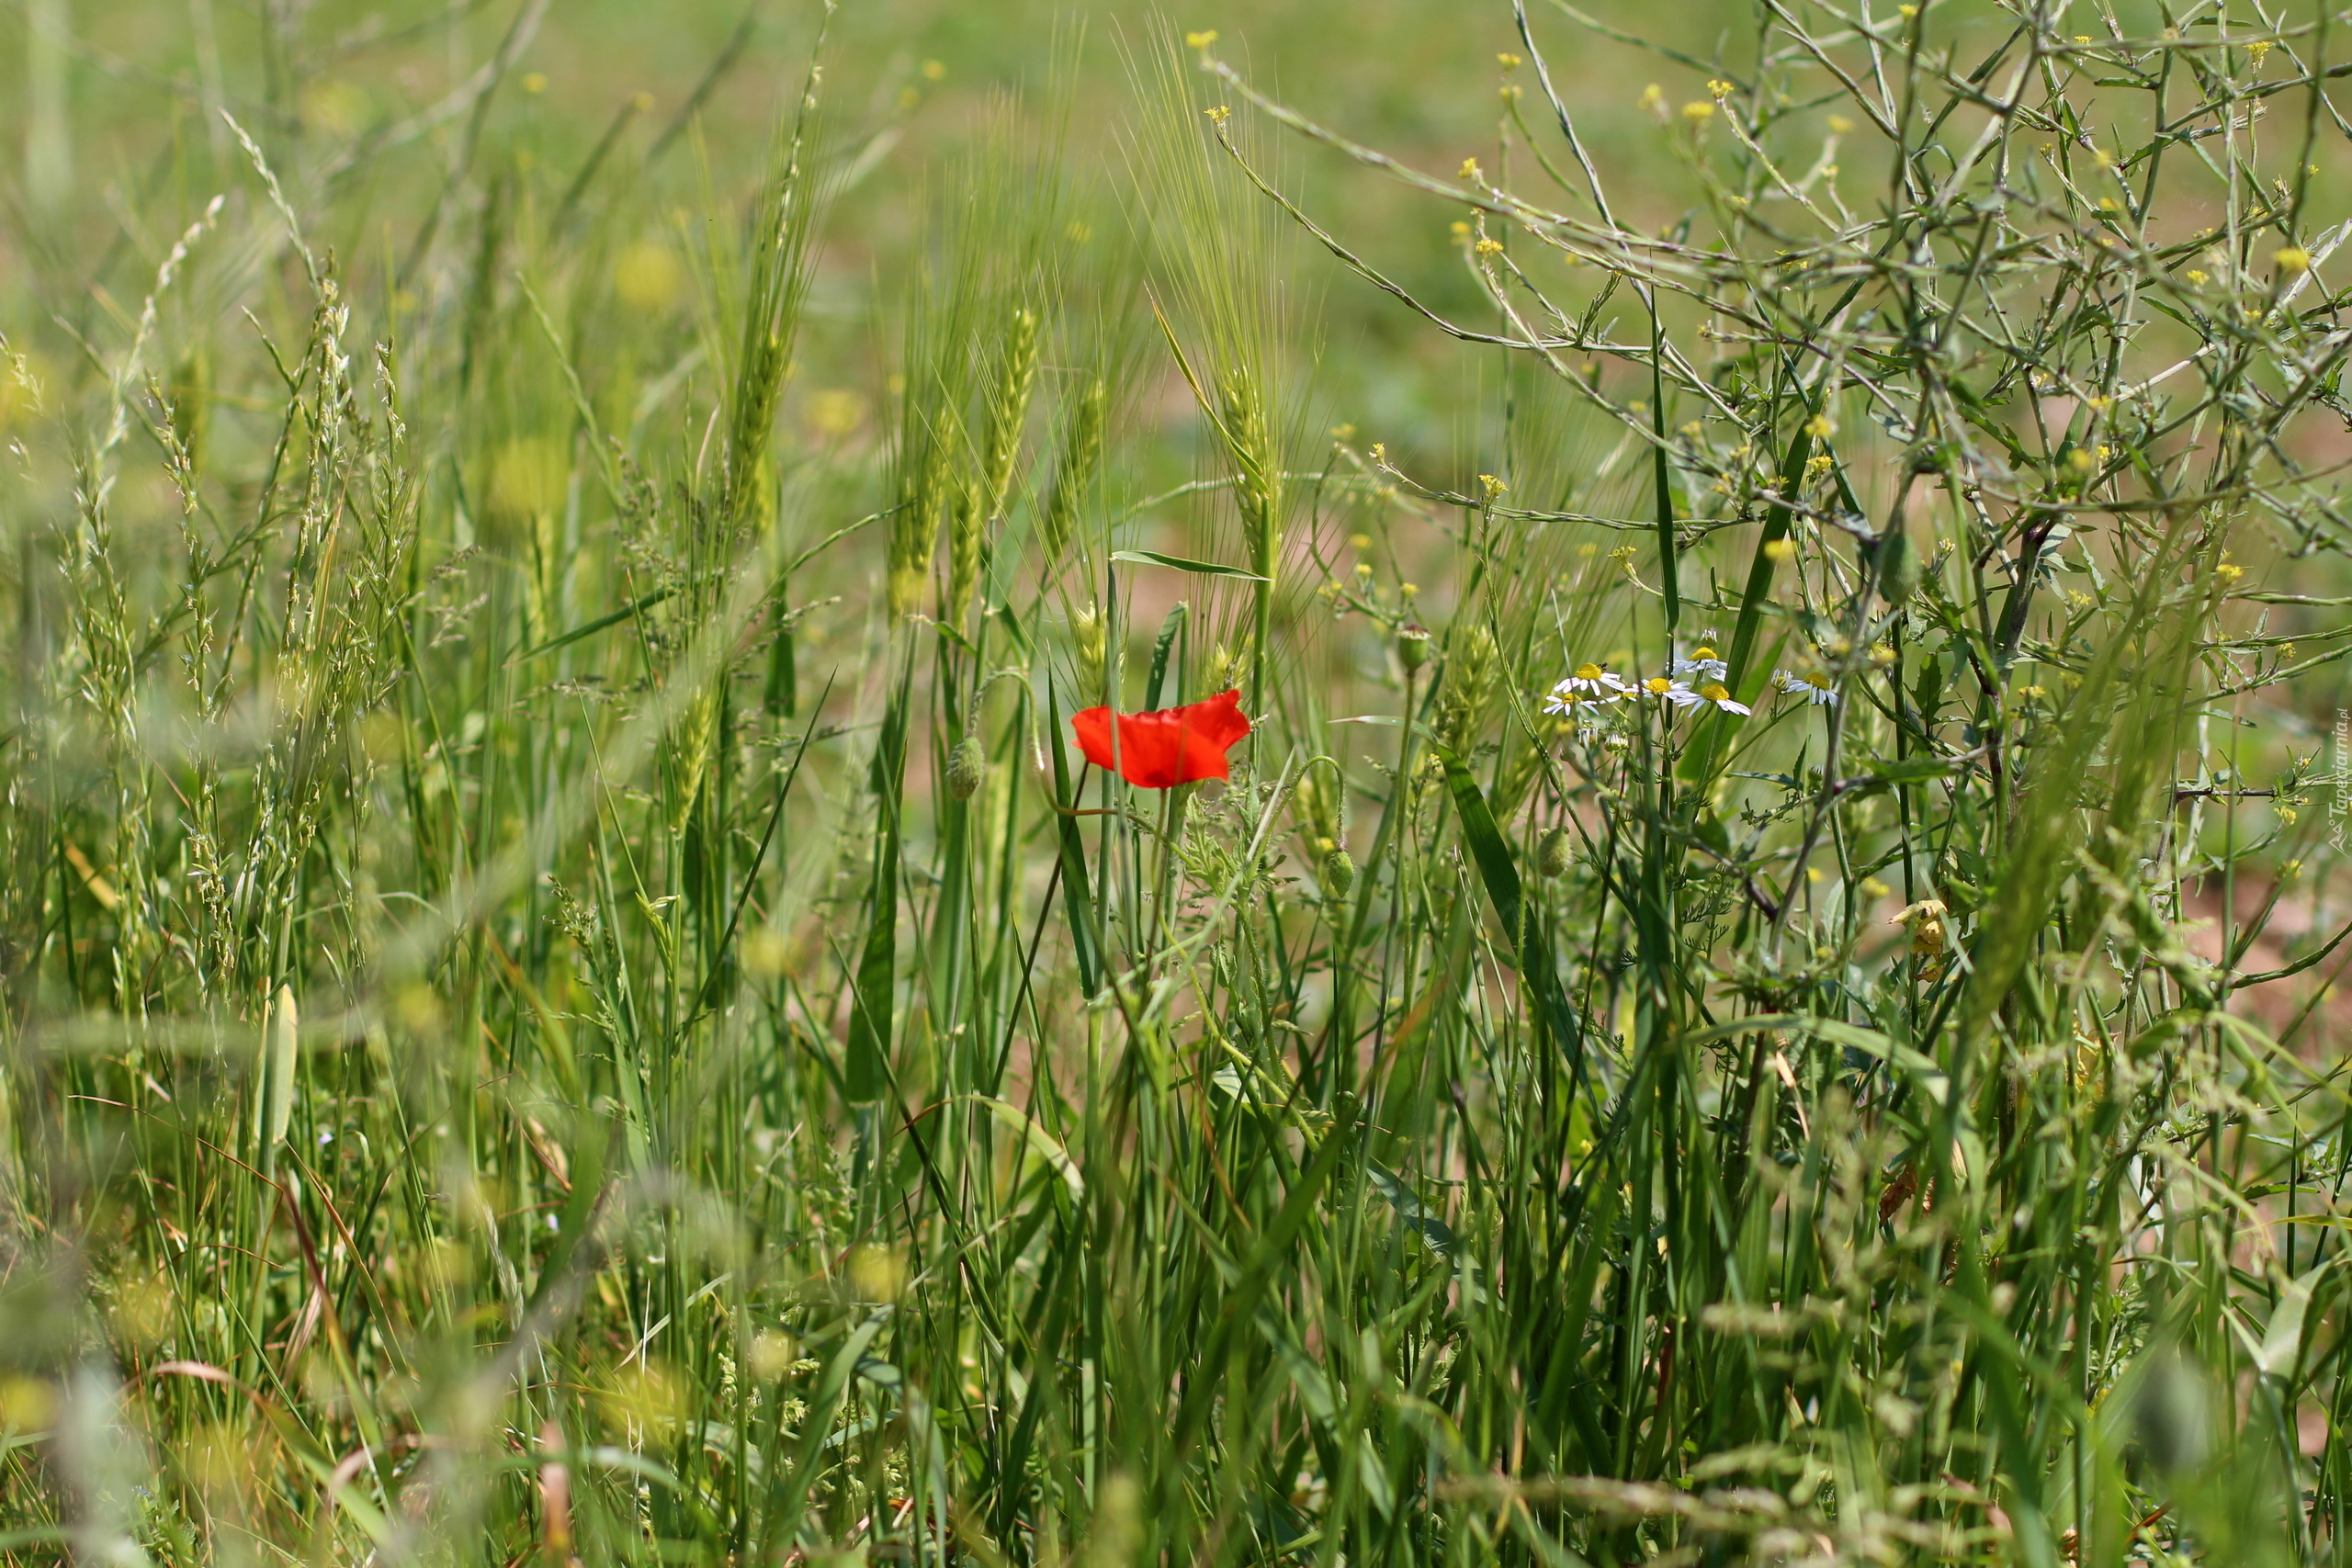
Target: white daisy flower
1587	711
1564	698
1668	691
1701	664
1713	692
1595	680
1815	688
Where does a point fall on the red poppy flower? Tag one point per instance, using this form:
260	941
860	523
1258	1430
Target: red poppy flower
1162	750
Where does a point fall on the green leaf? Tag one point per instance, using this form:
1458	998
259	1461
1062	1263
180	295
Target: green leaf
1501	877
1078	900
1206	567
866	1067
1159	651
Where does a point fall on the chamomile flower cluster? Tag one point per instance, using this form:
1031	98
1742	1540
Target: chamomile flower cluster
1692	682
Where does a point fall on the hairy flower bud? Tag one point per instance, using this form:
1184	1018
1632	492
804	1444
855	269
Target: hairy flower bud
1553	851
1899	569
1338	872
968	765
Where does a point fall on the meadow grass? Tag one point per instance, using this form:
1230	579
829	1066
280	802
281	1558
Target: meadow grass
1759	991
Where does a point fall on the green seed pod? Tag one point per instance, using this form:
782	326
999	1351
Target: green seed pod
968	765
1553	851
1338	872
1412	646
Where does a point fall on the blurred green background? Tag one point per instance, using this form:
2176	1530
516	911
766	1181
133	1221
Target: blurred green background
362	108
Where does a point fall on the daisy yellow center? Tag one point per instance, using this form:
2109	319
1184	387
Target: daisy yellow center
1587	671
1715	694
1702	653
1659	686
1820	678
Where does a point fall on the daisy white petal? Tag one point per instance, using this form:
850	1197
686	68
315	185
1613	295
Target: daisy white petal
1721	696
1597	681
1702	663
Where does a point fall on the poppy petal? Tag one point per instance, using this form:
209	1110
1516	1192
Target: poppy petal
1093	728
1166	748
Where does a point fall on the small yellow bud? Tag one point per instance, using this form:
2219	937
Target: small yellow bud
1507	60
1821	427
1201	40
1839	124
935	71
2292	259
1493	486
1697	112
1653	97
535	83
1469	168
2229	572
2196	277
1219	114
1488	247
1779	551
1720	88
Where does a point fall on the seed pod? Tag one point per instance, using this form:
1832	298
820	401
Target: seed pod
1553	851
1338	872
274	1101
968	765
1412	646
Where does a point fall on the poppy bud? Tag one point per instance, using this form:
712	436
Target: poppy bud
1553	851
1412	646
1899	569
1338	873
967	766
